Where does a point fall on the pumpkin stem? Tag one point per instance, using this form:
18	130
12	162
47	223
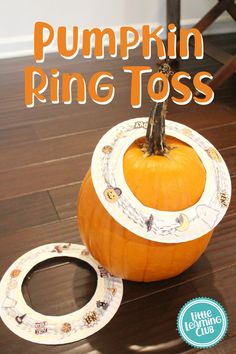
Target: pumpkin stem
155	135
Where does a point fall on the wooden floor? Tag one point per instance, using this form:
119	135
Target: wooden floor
45	152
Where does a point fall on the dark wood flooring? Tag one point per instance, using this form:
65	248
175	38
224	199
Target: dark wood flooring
45	152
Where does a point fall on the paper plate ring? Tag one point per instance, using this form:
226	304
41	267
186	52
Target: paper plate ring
126	209
38	328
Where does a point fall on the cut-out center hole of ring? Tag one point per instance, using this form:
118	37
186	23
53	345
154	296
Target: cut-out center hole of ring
59	286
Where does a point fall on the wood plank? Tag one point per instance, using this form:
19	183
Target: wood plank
26	211
227	346
229	156
83	142
224	73
65	200
225	41
222	290
21	241
44	176
197	117
86	121
49	150
41	177
222	137
232	206
15	136
216	52
46	112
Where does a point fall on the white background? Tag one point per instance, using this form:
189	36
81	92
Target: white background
17	17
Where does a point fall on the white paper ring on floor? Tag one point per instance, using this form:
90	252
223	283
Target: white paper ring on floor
38	328
155	225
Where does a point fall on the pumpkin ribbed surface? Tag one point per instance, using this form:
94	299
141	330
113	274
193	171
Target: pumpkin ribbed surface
173	182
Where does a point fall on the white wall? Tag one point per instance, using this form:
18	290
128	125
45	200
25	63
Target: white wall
17	17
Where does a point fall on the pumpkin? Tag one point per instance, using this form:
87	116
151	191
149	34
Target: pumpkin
163	173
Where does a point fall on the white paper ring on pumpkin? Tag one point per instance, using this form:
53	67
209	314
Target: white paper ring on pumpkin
126	209
38	328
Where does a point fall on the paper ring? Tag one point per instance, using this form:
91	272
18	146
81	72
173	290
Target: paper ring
126	209
38	328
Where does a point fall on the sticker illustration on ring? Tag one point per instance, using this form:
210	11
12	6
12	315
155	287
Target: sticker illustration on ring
202	322
39	328
109	181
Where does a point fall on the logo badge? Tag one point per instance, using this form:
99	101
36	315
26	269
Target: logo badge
202	322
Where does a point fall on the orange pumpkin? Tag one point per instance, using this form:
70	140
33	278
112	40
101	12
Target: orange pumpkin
172	178
178	181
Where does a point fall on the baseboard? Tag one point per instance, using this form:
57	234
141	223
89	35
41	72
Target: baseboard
21	46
